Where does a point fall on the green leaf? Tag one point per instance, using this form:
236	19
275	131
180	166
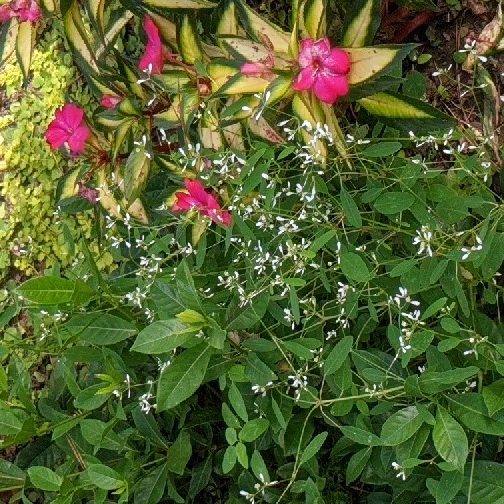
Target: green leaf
200	478
229	460
179	453
257	371
405	113
253	429
354	267
245	317
241	455
186	289
259	467
99	328
338	355
357	463
320	241
104	477
360	26
493	396
90	398
147	425
485	482
136	172
447	487
361	436
167	299
164	6
314	18
9	423
188	41
183	377
433	308
25	42
393	202
236	400
47	290
450	439
381	149
450	325
11	476
402	425
471	410
44	479
313	447
151	488
432	382
351	210
163	336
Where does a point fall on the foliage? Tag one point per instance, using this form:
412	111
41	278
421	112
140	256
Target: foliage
312	319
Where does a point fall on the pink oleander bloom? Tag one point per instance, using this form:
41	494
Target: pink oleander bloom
68	127
323	69
206	203
110	101
153	58
24	10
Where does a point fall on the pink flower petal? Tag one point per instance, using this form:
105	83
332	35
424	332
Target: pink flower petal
253	69
6	13
110	101
77	140
305	57
328	88
197	191
305	79
321	48
55	136
153	57
338	61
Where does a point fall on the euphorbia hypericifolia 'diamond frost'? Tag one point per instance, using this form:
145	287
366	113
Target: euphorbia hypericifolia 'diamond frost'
206	203
23	10
323	69
68	127
155	53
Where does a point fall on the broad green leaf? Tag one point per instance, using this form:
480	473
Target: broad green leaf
151	488
450	325
257	371
188	40
245	317
393	202
433	308
485	482
241	455
186	288
357	463
104	477
261	28
360	25
371	62
338	355
200	477
24	46
99	328
381	149
179	453
352	214
445	489
253	429
360	436
47	290
91	398
432	382
136	171
229	460
11	476
493	395
354	267
236	400
450	440
406	114
321	240
163	336
471	410
44	478
147	425
9	423
258	466
313	447
182	378
167	299
402	425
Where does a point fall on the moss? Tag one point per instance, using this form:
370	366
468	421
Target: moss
30	232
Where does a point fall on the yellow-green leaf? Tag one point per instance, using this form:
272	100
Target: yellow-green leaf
187	39
8	37
361	24
313	19
136	172
24	46
179	4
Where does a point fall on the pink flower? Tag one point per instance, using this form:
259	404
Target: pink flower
24	10
68	126
260	69
153	58
198	197
323	69
110	101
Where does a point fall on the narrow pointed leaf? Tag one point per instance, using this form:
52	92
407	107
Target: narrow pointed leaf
361	24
